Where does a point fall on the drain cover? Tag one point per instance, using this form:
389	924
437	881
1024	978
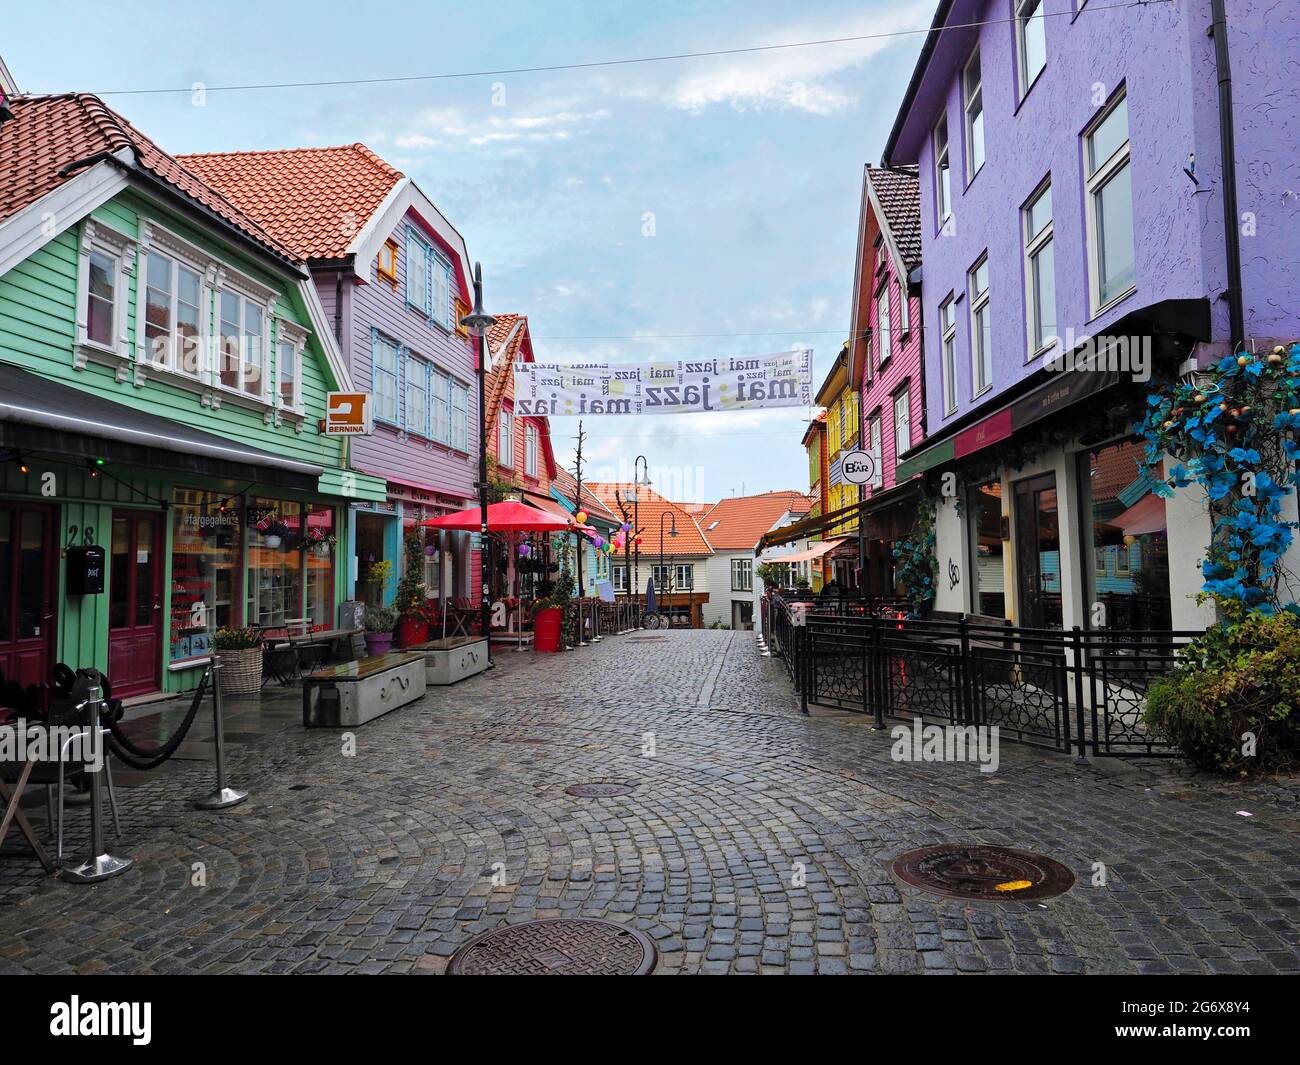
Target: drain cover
558	946
599	791
979	872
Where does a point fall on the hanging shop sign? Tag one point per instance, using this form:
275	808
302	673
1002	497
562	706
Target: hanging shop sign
860	467
722	383
349	414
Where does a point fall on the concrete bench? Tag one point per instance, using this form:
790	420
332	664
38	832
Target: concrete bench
455	658
353	693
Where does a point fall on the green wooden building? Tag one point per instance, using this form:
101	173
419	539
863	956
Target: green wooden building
164	365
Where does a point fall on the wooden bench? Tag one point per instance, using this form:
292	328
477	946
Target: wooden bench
353	693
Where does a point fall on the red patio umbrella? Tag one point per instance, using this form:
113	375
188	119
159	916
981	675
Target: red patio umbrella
510	516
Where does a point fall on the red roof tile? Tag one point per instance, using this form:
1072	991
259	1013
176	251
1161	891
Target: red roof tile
315	200
568	484
738	522
689	539
49	132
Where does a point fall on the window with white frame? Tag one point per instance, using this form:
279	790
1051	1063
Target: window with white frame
884	326
459	416
880	252
1040	270
385	362
973	103
530	449
1031	41
103	282
618	575
241	343
742	575
873	434
942	173
685	575
1110	205
948	333
417	395
904	309
173	298
428	281
981	327
506	438
902	422
439	406
417	272
290	341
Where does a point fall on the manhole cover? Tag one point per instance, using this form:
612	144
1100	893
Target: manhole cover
978	872
598	791
558	946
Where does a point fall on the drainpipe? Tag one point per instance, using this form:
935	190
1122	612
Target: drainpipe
1227	149
338	308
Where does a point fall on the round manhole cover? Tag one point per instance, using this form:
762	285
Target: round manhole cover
598	791
558	946
979	872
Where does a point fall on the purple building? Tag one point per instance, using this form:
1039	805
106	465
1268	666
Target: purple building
392	274
1074	194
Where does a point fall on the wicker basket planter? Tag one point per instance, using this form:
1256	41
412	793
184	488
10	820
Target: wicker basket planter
241	671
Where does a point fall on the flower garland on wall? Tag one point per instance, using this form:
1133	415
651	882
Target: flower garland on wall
1233	431
916	558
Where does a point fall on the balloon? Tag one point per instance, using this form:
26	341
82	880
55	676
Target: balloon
627	526
598	540
582	517
525	550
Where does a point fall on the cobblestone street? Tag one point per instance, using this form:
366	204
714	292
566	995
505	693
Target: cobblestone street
384	862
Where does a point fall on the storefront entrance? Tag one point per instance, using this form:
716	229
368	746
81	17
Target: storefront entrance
26	593
135	611
1038	553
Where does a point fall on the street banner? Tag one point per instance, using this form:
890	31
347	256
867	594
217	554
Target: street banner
721	383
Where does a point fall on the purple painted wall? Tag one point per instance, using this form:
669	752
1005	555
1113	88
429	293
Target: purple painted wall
390	452
1162	55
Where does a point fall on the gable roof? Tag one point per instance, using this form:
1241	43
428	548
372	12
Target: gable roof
689	541
741	520
314	200
53	138
567	485
508	341
897	192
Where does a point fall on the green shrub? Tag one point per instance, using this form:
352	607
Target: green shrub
379	619
1242	676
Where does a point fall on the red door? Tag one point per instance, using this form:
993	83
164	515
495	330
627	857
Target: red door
27	558
135	604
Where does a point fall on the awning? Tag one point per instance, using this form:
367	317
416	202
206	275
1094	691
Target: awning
509	516
40	415
807	555
1147	515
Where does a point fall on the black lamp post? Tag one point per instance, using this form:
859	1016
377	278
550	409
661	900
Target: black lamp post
671	532
478	322
637	484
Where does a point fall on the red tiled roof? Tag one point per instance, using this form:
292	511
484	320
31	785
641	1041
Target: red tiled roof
500	380
315	200
689	539
741	520
899	192
568	485
49	132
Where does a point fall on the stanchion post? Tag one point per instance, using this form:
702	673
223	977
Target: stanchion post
99	865
223	797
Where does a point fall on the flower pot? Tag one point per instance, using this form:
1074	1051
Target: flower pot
411	631
546	629
241	671
379	643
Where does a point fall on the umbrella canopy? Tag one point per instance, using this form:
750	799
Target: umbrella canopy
510	516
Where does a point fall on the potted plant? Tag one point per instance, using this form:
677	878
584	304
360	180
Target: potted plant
549	616
379	622
412	616
240	656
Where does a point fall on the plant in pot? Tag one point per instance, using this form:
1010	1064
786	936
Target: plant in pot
412	608
240	656
379	622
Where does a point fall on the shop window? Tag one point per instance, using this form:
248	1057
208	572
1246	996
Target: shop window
275	578
318	559
984	570
205	573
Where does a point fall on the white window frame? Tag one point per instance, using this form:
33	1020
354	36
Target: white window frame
903	424
531	448
378	373
745	568
884	327
458	402
948	352
506	438
618	575
684	575
904	310
439	406
415	372
1035	245
874	435
294	335
1094	182
979	301
942	162
122	250
174	361
260	299
1027	77
972	103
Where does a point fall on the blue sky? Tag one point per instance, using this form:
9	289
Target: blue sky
751	165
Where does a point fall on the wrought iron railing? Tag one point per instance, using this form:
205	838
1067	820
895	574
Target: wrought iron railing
1080	690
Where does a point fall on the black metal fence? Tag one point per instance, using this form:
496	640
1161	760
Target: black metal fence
1077	689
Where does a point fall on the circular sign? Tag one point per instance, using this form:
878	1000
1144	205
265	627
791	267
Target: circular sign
860	467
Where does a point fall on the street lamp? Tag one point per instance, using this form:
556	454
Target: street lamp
637	484
671	532
478	322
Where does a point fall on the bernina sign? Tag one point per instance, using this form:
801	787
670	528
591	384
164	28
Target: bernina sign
861	467
348	414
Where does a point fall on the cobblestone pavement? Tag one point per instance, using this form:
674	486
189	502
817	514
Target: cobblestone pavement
383	862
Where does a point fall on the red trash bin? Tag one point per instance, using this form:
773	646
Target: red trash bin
546	629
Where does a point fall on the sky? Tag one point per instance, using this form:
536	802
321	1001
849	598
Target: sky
619	207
